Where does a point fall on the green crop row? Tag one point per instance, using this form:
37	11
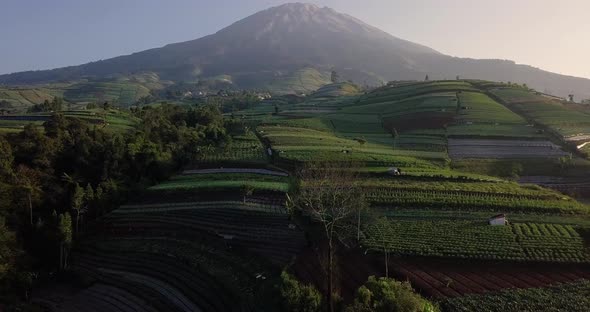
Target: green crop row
471	239
574	297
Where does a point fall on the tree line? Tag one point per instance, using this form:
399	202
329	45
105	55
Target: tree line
55	179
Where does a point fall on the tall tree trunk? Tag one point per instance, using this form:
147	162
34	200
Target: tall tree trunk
358	227
30	208
386	263
61	256
66	252
330	278
77	218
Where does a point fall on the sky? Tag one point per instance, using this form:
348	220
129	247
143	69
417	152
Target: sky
43	34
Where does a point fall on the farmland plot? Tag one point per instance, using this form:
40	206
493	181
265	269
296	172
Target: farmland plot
466	148
559	118
477	240
571	297
453	280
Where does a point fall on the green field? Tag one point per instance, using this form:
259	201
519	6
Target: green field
19	99
113	120
481	116
569	297
223	181
242	148
223	232
554	115
468	239
121	93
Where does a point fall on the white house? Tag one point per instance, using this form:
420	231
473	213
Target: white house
498	220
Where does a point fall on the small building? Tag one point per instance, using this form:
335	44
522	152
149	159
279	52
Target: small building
394	171
498	220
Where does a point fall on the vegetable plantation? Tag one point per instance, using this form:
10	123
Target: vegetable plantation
477	240
574	297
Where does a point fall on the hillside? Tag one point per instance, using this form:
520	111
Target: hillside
277	43
218	219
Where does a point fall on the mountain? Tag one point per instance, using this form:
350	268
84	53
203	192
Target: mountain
281	43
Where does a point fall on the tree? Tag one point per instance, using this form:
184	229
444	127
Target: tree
388	295
328	193
8	250
65	238
29	180
571	98
246	190
362	141
426	78
297	297
6	159
383	223
334	77
78	202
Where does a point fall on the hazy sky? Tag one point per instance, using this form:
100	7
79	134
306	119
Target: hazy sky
40	34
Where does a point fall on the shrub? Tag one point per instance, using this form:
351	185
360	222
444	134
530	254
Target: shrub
387	295
298	297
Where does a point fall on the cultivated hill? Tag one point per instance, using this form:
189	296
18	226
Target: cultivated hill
276	44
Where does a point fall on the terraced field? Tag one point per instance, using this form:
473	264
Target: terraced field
224	181
478	240
469	148
114	120
561	297
121	92
243	149
480	116
222	230
557	117
300	144
449	280
19	99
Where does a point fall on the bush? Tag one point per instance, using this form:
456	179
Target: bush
387	295
298	297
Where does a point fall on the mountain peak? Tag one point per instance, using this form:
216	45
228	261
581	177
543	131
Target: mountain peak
280	42
309	7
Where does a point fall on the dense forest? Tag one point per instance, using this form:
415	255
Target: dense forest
56	179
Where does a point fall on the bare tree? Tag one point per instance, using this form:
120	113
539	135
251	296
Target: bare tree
383	223
328	193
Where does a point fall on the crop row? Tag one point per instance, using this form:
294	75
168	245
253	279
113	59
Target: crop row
163	207
418	199
572	297
467	239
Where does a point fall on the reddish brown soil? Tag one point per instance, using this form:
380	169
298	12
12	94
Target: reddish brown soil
438	278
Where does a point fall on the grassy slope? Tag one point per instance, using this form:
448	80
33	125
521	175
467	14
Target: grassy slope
113	120
20	99
304	80
560	118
